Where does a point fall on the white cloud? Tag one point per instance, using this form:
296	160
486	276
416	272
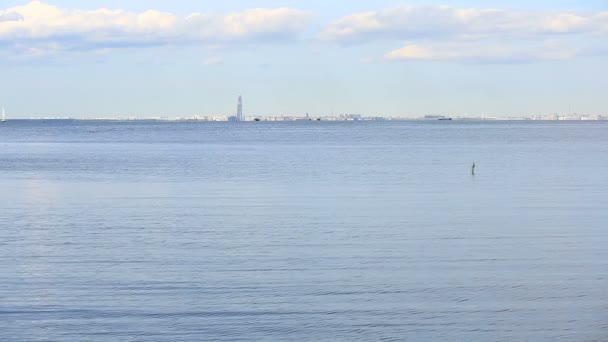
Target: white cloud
485	35
10	16
410	52
38	23
482	53
424	21
602	21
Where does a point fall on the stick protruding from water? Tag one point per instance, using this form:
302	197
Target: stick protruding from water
473	169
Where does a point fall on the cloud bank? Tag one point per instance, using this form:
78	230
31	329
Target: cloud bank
419	32
409	22
449	33
39	25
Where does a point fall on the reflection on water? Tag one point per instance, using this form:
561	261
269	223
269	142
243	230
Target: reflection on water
303	231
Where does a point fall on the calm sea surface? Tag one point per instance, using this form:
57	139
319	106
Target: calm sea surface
306	231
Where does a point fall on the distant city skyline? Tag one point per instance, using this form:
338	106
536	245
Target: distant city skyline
391	58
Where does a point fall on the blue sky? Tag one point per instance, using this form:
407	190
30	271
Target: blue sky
406	58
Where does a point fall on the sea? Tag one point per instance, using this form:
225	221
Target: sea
303	231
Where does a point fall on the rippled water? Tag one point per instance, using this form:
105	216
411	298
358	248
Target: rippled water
303	231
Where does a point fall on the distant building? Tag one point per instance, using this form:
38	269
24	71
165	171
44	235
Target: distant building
239	110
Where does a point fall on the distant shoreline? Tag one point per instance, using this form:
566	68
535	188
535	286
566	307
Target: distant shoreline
445	122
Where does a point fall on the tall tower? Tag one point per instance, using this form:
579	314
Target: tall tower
239	110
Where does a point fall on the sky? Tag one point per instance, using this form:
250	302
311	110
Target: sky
150	58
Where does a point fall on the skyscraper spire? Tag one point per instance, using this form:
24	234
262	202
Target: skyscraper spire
239	110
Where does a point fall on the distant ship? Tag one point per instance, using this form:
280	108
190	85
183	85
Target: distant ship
437	117
3	116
